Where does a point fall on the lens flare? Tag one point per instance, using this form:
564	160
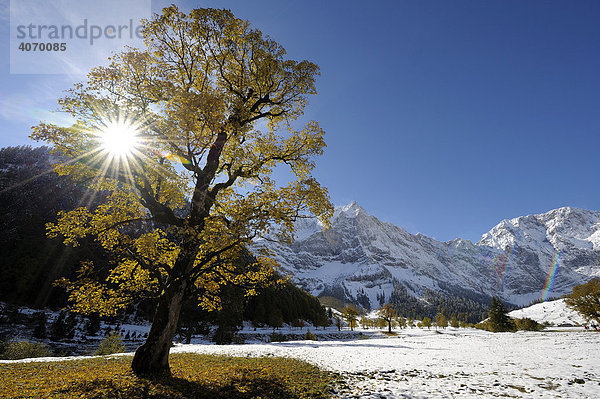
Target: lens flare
506	267
119	139
551	276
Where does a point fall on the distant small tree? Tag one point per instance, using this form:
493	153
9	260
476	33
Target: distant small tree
410	322
323	320
112	343
498	318
364	322
40	330
58	330
401	322
338	323
229	318
260	313
454	322
441	321
585	299
387	314
426	322
276	319
70	325
351	316
92	325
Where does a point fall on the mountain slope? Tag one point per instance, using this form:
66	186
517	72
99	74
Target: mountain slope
364	260
556	313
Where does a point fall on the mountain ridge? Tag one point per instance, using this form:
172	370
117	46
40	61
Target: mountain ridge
363	260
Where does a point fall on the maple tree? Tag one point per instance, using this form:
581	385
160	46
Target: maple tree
585	299
182	140
387	313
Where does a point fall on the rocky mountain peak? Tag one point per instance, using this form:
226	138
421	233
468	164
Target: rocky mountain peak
361	259
351	210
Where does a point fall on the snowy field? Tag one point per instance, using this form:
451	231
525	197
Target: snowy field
461	363
561	362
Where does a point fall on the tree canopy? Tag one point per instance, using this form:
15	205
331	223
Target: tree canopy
585	299
183	138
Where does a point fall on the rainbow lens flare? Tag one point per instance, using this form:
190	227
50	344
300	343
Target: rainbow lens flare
551	276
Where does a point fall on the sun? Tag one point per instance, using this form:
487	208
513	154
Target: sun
119	139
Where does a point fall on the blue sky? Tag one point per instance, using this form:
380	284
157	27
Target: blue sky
443	117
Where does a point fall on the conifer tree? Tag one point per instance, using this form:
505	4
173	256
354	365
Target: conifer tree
58	330
276	319
70	325
498	317
40	330
92	325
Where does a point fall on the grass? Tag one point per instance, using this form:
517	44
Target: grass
194	376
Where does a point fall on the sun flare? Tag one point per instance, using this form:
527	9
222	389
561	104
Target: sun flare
119	139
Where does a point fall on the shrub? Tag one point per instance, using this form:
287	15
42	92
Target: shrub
277	337
528	324
223	336
23	350
238	339
310	336
112	343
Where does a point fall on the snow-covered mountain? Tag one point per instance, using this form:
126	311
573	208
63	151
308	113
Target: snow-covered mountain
556	313
362	259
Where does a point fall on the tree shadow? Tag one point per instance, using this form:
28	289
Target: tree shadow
242	387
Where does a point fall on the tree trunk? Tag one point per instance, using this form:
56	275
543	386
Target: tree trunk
152	358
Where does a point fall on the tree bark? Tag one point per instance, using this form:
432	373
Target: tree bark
152	358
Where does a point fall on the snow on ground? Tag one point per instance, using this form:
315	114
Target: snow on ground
462	363
421	363
555	312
